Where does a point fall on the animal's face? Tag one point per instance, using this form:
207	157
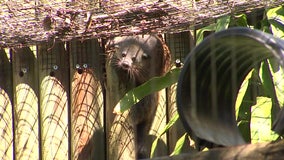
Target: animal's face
131	56
137	57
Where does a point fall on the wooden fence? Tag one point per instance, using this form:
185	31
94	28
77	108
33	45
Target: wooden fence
53	101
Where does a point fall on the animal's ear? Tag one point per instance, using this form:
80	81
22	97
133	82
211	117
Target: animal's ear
116	41
160	36
166	61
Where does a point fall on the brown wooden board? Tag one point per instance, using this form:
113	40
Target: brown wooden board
259	151
6	101
54	104
87	102
120	135
158	126
25	88
180	45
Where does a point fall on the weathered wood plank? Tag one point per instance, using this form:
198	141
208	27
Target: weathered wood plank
87	101
158	125
121	140
180	45
119	129
259	151
25	88
54	104
6	101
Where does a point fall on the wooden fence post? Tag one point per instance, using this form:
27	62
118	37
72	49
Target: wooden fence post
6	101
54	104
180	45
87	100
26	109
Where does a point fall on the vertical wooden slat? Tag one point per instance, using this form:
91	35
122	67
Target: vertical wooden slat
87	101
54	93
6	97
119	128
25	104
121	138
161	116
180	45
177	130
158	125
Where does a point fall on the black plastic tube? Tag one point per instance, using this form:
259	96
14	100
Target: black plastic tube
211	78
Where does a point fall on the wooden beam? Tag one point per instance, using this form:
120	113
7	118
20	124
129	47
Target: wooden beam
259	151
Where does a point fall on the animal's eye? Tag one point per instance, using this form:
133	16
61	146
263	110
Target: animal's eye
133	58
145	56
123	54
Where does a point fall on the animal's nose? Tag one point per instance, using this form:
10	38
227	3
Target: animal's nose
125	64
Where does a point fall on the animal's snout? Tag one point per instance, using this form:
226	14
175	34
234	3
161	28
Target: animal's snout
125	64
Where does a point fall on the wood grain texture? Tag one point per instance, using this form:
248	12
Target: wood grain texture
6	100
259	151
26	113
87	102
54	93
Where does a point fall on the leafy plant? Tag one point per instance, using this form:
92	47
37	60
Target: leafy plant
153	85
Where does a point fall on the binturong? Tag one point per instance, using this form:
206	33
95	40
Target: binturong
139	58
133	60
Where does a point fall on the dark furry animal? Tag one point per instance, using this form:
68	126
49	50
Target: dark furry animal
135	60
139	58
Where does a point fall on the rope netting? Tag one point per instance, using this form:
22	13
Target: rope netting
26	22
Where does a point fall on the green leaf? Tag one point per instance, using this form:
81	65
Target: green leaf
277	75
244	128
246	101
179	145
154	146
200	32
275	17
268	85
223	23
167	127
241	20
279	86
261	121
265	26
242	91
153	85
170	123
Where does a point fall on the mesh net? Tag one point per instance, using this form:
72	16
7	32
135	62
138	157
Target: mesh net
26	22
